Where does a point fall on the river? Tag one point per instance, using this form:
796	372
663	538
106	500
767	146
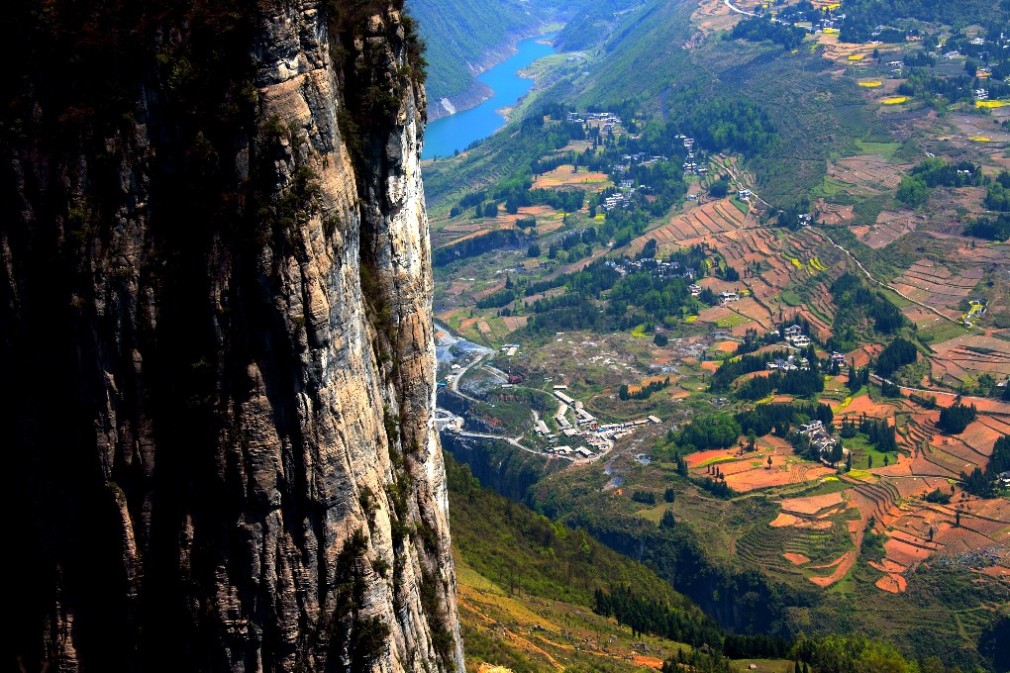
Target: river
456	132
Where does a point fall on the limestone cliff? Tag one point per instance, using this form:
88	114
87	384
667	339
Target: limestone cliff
217	341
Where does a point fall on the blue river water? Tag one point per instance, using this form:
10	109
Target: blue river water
456	132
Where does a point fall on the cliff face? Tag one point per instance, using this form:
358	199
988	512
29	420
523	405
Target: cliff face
216	321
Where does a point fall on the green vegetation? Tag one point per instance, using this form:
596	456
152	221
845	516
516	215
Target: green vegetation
544	557
645	392
461	32
730	125
760	29
781	118
715	431
863	16
955	418
642	296
592	24
878	432
994	229
915	188
897	354
478	245
855	303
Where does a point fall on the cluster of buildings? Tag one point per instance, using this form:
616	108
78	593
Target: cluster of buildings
789	364
580	451
826	19
654	266
820	440
607	121
691	166
597	439
727	297
636	159
582	417
617	200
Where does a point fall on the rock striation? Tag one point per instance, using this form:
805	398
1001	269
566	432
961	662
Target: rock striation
215	308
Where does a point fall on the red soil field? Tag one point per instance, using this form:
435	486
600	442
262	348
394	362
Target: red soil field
814	505
934	285
888	228
842	567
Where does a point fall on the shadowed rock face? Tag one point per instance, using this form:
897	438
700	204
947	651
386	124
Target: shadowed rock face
216	327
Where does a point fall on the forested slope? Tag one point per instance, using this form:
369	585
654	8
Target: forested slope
463	37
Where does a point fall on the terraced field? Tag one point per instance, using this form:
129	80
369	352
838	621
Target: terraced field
865	174
969	355
697	224
888	228
771	263
934	285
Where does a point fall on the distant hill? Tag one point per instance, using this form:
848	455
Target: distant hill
466	36
642	52
593	23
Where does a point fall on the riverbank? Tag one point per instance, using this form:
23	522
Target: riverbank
479	92
454	133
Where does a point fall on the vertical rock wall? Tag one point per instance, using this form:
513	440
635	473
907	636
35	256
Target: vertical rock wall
216	310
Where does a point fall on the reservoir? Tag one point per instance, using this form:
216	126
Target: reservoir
456	132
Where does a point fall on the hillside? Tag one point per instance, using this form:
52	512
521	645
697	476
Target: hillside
709	231
593	23
527	589
465	37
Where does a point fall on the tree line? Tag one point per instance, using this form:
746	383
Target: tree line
759	29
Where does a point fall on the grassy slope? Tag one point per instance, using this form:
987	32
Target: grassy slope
592	24
527	584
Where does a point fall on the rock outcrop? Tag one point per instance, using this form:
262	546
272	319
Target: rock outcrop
216	320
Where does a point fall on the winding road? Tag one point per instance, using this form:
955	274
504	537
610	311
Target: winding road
733	8
457	376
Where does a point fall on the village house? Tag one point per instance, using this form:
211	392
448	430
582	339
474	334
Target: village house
792	331
801	341
820	439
